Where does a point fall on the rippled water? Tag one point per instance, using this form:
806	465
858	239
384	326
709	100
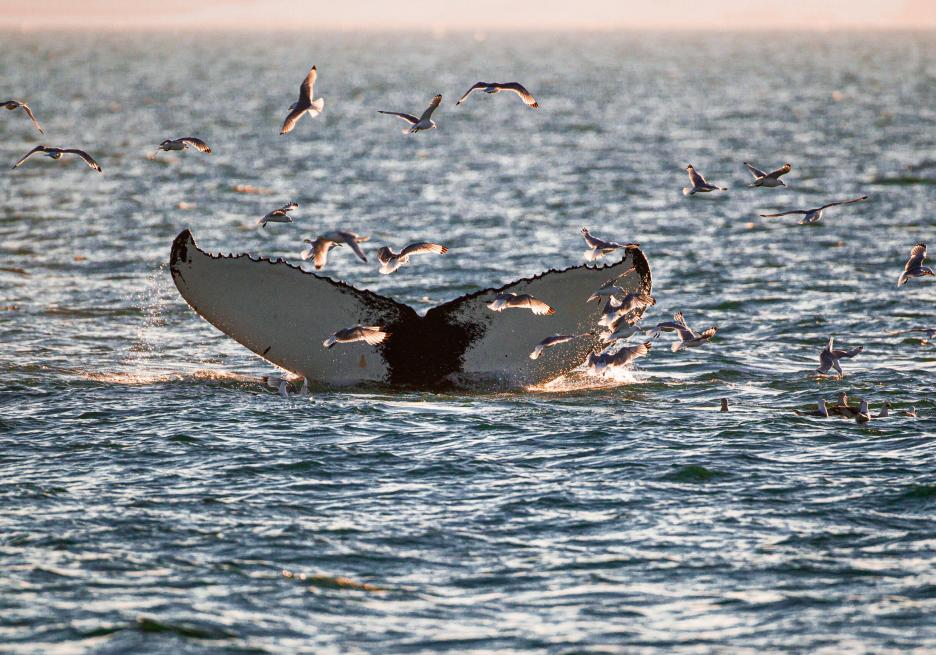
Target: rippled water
158	498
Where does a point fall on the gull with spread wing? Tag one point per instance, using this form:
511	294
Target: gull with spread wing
829	358
373	335
280	215
508	300
424	122
814	215
391	261
304	105
17	104
771	179
497	87
56	153
914	266
181	144
699	185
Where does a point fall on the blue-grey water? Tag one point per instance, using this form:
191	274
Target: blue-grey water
155	497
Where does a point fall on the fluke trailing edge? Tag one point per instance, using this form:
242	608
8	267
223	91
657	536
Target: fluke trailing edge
283	313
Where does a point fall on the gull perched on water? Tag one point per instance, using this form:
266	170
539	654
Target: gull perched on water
912	413
371	334
814	215
181	144
56	153
864	414
305	104
280	215
391	261
618	307
507	300
843	408
821	411
497	87
689	338
885	410
914	266
699	185
623	357
829	358
600	247
16	104
417	124
771	179
554	340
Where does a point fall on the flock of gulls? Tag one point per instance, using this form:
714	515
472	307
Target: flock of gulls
622	311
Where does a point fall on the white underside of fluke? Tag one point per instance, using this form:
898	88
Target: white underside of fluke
283	313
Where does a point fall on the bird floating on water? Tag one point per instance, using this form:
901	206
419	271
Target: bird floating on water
724	405
600	247
829	358
304	105
929	332
864	414
497	87
56	153
17	104
843	408
424	122
814	215
699	185
391	261
771	179
373	335
821	410
508	300
280	215
554	340
181	144
914	266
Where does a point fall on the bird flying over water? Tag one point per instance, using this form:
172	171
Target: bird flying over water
619	330
600	247
609	288
508	300
325	242
497	87
417	124
601	361
914	266
689	338
181	144
16	104
549	342
318	250
305	104
280	215
814	215
391	261
618	307
771	179
371	334
699	185
829	358
56	153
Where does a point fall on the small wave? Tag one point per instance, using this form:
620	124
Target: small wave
331	582
693	473
580	380
183	629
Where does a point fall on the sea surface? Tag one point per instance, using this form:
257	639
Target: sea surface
157	497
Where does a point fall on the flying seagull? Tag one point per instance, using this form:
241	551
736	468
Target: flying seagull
182	144
554	340
281	384
623	357
609	288
914	266
689	338
814	215
620	329
56	153
699	185
829	358
325	242
618	307
16	104
497	87
372	335
417	124
771	179
391	261
508	300
600	247
280	215
305	104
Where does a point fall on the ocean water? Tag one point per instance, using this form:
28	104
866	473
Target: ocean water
157	498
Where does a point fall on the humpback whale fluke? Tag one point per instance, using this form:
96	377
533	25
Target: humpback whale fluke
460	343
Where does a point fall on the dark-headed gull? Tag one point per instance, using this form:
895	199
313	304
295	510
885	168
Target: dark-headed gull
56	153
16	104
497	87
181	144
280	215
